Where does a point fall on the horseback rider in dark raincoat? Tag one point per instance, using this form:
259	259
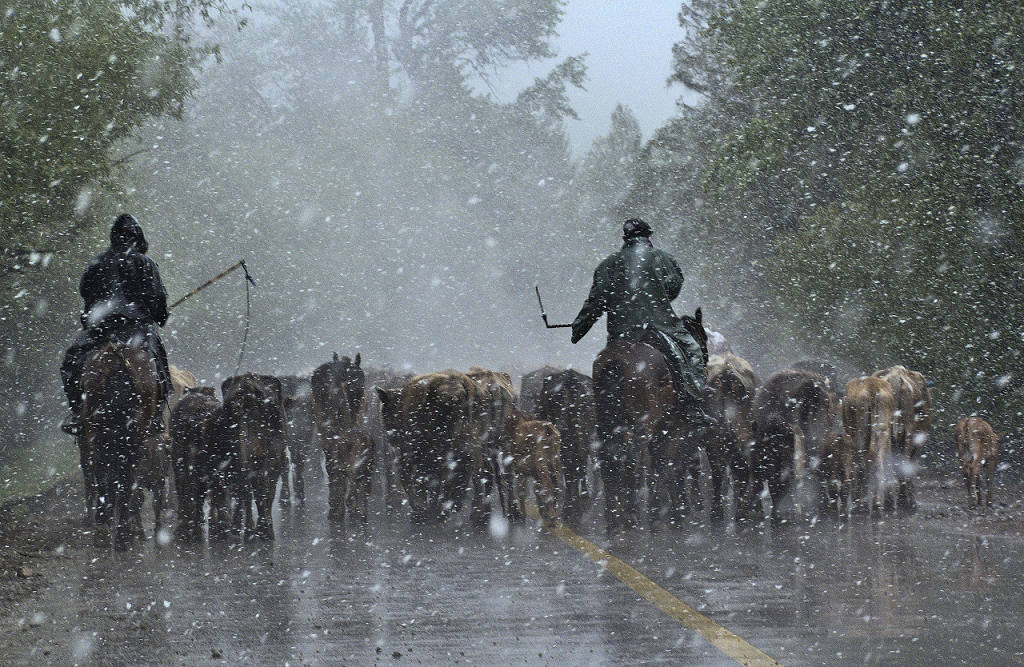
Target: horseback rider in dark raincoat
635	286
125	301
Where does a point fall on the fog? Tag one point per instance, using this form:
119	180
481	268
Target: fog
410	225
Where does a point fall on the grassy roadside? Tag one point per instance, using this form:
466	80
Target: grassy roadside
38	468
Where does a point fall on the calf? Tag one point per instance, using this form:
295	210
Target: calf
536	452
349	458
978	446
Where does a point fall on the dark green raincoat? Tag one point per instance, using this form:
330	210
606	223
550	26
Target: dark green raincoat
635	286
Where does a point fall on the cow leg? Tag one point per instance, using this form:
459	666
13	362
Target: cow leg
286	492
299	464
777	490
265	486
988	471
159	499
547	490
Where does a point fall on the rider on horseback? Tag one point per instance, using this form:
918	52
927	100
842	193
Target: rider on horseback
636	286
125	301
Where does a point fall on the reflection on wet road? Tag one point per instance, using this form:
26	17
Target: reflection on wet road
906	591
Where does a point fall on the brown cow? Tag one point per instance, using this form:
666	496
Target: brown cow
433	423
911	424
387	456
772	457
194	469
800	400
253	420
567	401
978	446
868	409
536	452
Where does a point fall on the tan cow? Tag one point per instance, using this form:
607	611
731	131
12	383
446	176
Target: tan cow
730	391
498	400
911	425
978	446
867	419
181	380
536	452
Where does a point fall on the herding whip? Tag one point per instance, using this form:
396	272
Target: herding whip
248	301
239	263
544	316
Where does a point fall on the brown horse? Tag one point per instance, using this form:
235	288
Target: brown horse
122	396
637	413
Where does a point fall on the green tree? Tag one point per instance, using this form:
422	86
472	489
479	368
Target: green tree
79	77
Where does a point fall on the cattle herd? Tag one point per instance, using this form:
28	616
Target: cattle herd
441	442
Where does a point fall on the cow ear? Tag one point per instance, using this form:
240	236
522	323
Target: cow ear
226	385
359	359
335	357
387	396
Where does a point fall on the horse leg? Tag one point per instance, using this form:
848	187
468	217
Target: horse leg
89	477
335	493
613	478
104	503
125	513
575	473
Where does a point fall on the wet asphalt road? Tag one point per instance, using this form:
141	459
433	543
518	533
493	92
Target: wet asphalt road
928	589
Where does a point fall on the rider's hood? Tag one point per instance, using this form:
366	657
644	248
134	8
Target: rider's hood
126	233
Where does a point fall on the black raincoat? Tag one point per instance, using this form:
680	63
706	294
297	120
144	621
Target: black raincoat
124	299
635	286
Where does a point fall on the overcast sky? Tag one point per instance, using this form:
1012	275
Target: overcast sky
629	43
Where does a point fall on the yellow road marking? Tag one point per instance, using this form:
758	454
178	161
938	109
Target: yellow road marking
723	639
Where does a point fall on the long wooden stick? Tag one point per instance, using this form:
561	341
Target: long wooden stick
211	281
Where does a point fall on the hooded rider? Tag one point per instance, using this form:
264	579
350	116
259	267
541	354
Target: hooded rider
124	300
635	286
